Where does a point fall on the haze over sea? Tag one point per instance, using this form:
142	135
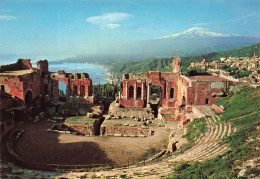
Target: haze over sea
96	72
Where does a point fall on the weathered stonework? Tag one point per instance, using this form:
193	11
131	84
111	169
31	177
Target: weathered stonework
78	84
178	93
37	87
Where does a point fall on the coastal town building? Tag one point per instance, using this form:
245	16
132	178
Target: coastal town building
203	65
242	64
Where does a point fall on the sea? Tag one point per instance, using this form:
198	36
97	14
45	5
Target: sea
96	73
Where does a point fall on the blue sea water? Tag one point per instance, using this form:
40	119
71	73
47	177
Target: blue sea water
96	72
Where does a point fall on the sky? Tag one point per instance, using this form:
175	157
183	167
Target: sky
57	29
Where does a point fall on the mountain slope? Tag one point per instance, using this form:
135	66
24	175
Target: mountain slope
165	64
193	41
196	32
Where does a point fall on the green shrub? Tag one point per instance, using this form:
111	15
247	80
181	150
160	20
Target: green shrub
196	128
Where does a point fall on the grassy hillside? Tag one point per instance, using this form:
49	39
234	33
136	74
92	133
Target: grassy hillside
243	111
164	64
156	64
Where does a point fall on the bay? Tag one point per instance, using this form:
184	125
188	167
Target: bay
96	72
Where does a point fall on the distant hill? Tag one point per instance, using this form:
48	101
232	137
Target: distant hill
165	64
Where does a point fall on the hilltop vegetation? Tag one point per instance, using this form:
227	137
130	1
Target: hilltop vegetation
165	64
155	64
243	112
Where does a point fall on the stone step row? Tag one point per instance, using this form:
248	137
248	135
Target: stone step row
208	146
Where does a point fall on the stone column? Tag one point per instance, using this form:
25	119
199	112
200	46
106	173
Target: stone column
119	95
135	91
126	90
148	93
142	95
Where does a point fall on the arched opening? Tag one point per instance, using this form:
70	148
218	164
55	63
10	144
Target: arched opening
62	91
82	90
155	97
28	98
172	93
126	76
3	88
75	89
207	101
138	92
155	92
183	102
131	92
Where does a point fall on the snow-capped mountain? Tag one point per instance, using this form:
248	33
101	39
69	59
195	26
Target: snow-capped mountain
196	32
195	40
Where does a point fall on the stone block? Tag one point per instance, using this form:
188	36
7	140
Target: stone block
141	136
132	135
90	115
118	135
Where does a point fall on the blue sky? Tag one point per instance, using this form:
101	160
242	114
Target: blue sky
56	29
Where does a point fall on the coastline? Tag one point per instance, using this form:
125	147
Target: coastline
111	77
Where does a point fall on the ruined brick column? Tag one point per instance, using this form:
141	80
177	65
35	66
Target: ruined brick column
135	91
148	93
142	95
126	90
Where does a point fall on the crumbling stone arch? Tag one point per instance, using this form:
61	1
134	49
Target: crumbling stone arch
156	91
28	97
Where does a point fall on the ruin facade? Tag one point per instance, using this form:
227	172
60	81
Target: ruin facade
33	85
178	93
38	88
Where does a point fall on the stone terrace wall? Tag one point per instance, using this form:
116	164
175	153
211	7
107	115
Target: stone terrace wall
82	129
126	131
115	110
21	64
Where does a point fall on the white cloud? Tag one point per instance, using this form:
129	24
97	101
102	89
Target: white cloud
241	18
113	26
109	20
4	17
